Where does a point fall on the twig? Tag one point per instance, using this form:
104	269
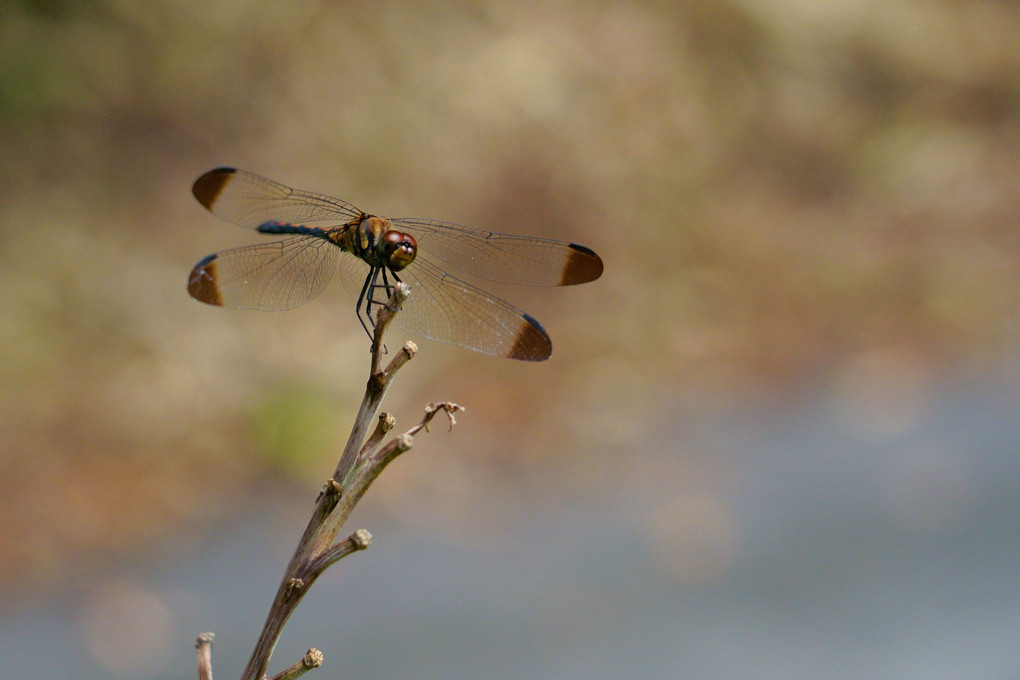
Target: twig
383	320
359	540
203	645
312	659
385	424
431	409
363	458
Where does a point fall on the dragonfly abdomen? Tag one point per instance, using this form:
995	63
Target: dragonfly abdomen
274	227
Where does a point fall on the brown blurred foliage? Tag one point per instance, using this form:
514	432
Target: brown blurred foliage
777	188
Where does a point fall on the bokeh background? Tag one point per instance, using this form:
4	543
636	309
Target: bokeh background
778	438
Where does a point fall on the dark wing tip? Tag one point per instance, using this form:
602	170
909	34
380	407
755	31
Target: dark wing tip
532	342
207	188
202	283
582	266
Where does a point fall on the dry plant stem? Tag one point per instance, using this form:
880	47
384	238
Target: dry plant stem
312	659
361	462
377	461
359	540
385	424
203	647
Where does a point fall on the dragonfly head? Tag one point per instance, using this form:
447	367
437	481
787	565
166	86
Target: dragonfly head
397	249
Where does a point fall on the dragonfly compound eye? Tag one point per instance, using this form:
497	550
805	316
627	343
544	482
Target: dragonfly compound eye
399	249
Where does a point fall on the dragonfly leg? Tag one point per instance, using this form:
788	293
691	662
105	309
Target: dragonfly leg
367	291
367	297
387	289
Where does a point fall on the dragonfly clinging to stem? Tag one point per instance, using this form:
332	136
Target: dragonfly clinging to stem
372	253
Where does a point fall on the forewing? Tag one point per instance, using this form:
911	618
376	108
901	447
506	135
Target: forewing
248	200
523	260
269	276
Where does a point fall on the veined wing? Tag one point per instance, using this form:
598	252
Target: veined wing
443	308
270	276
506	258
248	200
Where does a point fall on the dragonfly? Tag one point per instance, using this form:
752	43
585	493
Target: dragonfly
322	234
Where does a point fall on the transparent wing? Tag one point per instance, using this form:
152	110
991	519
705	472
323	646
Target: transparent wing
523	260
445	309
248	200
270	276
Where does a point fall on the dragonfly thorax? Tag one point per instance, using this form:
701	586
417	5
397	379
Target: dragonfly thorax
375	241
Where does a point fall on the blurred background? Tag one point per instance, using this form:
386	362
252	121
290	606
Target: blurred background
778	438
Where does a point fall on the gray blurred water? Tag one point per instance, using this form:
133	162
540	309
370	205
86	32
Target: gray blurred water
888	557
